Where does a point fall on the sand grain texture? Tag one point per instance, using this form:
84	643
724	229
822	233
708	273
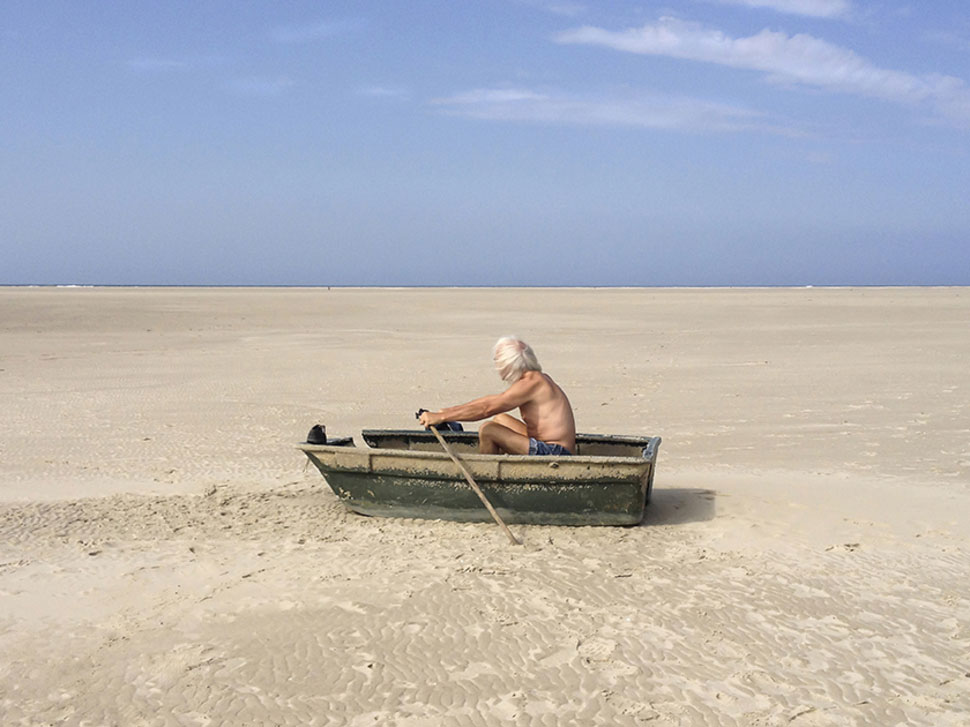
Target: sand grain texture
166	558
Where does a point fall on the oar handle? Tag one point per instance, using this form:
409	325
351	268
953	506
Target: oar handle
474	486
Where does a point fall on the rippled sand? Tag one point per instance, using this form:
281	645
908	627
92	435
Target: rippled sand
166	557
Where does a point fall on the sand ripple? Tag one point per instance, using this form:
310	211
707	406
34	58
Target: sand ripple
280	608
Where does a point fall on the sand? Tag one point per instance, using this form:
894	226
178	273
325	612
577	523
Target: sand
167	558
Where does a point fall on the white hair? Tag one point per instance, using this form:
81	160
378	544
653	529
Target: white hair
513	357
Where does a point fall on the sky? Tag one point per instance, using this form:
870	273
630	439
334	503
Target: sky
486	142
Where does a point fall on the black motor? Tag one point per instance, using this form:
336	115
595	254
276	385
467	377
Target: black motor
317	435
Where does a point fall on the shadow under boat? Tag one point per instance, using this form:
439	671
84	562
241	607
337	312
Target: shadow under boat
676	506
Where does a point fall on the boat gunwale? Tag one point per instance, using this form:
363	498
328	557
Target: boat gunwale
649	445
475	457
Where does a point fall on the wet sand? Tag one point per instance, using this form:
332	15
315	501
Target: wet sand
167	558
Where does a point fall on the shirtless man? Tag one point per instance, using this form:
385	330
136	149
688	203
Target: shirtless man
547	425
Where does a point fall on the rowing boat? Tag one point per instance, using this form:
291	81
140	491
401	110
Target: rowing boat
405	473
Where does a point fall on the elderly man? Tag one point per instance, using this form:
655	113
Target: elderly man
547	425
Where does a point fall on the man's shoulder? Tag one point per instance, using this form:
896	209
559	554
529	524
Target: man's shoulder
538	382
529	383
535	378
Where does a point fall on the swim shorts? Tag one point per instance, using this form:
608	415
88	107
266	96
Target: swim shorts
541	448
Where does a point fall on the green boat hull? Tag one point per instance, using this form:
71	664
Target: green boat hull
405	474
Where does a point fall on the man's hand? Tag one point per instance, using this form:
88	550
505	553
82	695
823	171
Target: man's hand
430	419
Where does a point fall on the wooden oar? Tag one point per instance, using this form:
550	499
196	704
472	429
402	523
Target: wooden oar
471	481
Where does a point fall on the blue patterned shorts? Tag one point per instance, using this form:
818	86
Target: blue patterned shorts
541	448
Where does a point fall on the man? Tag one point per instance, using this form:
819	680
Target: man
547	425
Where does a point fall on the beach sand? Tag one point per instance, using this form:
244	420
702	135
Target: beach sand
166	557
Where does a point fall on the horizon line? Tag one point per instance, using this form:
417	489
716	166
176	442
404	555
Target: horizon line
366	286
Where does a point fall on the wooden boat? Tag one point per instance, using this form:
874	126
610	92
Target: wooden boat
405	473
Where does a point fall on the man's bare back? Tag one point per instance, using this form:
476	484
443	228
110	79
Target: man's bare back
547	416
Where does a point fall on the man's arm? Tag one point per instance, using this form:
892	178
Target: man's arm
487	406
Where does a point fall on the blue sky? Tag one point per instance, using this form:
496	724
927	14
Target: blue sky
501	142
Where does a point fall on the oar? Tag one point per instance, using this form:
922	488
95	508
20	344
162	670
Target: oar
471	481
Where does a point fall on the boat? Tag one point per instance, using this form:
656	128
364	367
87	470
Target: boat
406	473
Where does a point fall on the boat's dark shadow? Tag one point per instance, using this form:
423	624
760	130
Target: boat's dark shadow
680	505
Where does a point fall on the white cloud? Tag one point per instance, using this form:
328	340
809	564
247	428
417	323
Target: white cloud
310	32
567	8
161	64
647	111
157	65
261	85
492	97
796	59
389	92
810	8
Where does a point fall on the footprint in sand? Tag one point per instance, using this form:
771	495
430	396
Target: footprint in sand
597	649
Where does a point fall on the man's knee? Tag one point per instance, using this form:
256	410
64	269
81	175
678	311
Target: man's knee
510	423
488	441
